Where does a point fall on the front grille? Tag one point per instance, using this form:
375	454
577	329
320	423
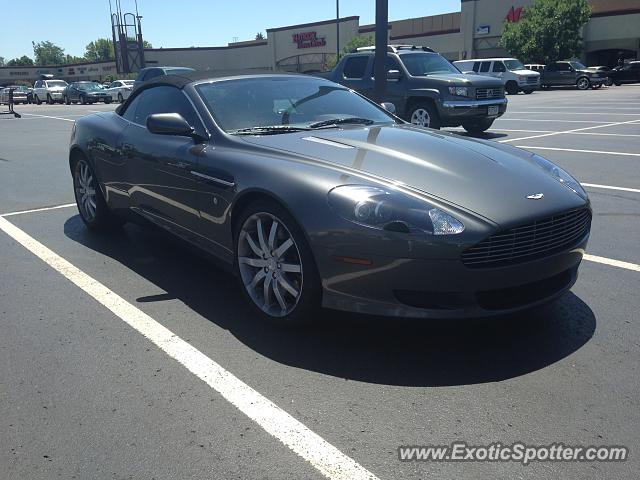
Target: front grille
484	93
530	242
532	80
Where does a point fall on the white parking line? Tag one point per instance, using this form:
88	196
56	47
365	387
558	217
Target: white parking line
326	458
42	209
610	187
587	108
613	263
581	113
546	120
569	131
600	152
48	116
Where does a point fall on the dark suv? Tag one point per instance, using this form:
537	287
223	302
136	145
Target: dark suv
425	88
85	92
630	73
571	73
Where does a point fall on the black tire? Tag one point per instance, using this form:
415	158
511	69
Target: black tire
608	82
512	88
120	98
424	110
583	83
528	92
66	100
307	281
37	100
49	100
107	100
102	218
83	100
478	126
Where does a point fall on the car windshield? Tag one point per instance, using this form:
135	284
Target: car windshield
56	83
89	86
514	65
127	82
577	65
421	64
285	104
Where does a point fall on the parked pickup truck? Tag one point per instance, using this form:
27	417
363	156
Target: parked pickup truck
571	73
425	88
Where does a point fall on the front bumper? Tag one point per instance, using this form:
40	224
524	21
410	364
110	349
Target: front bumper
434	288
453	112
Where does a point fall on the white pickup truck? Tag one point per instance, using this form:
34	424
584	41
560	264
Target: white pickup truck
50	91
514	75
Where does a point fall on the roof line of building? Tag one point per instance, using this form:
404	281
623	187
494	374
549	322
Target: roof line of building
312	24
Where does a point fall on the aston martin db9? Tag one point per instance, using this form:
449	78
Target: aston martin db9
316	196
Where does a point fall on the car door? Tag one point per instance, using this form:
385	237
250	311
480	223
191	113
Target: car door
551	75
396	88
161	185
566	74
498	70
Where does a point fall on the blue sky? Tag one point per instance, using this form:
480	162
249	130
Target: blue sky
72	24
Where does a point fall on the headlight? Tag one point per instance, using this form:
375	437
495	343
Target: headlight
459	91
391	210
559	174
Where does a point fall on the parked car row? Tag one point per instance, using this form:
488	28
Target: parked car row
59	91
575	73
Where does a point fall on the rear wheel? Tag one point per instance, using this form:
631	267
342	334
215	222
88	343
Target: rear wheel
424	114
276	265
478	126
120	99
512	88
91	204
583	83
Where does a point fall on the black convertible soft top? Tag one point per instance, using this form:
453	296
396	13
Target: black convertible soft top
185	78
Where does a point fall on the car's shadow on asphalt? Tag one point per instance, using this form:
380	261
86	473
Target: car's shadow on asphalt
483	135
356	347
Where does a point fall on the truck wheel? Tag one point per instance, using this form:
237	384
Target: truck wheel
583	83
37	100
478	126
424	114
49	99
512	88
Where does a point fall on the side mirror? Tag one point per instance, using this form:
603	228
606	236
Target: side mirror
394	75
389	107
169	124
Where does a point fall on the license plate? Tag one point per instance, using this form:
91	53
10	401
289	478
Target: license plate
492	110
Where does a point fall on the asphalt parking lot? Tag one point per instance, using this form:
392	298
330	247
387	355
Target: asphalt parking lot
84	395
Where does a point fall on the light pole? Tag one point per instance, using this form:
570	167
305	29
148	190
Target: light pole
337	30
380	70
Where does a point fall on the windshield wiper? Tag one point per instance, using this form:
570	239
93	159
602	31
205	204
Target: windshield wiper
340	121
268	130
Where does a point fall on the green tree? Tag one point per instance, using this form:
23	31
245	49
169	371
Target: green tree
259	36
548	31
74	59
48	53
146	44
23	61
99	50
355	42
1	61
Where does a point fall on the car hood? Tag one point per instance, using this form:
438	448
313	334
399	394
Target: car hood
524	71
462	79
483	177
56	89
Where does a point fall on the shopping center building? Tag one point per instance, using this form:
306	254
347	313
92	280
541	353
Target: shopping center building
474	32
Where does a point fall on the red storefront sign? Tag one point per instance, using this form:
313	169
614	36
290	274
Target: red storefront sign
514	14
308	40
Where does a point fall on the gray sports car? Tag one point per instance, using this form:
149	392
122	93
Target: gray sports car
315	195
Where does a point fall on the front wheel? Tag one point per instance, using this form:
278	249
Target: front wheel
583	83
91	204
425	115
478	126
512	88
37	100
276	265
49	100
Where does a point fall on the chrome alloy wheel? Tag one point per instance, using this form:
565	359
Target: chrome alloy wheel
583	83
420	116
270	264
85	188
